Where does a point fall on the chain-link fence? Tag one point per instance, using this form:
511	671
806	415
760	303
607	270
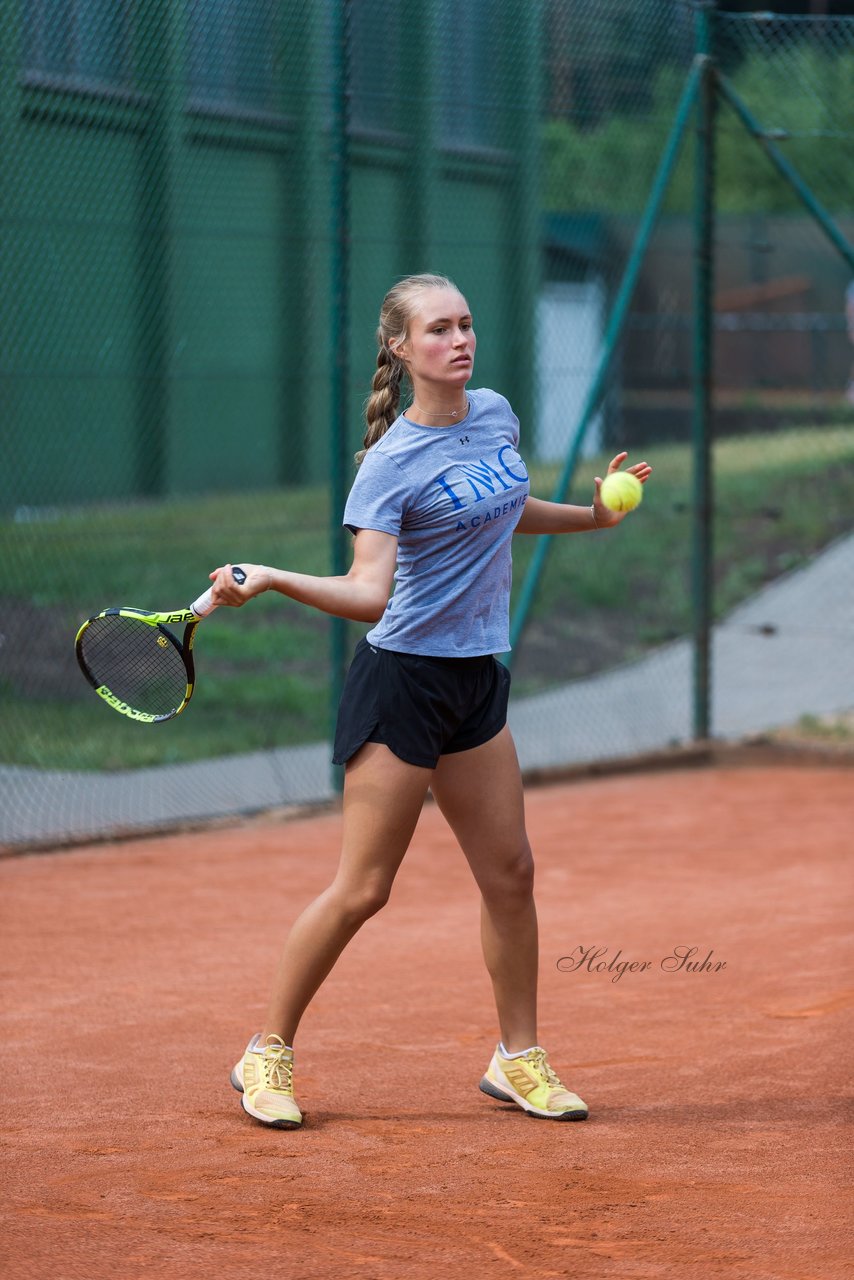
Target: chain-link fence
203	204
780	443
784	396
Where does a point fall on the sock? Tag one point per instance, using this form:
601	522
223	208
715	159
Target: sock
520	1054
255	1045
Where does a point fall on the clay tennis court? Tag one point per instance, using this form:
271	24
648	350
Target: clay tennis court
135	972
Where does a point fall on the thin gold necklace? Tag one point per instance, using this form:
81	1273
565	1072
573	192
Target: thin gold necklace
455	413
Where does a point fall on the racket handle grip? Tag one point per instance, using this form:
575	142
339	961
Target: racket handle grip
204	605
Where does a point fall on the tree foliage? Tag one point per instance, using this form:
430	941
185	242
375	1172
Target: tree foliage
803	92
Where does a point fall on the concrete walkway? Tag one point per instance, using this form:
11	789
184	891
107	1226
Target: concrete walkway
786	652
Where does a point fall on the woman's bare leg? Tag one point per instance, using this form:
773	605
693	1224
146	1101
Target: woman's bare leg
480	794
383	797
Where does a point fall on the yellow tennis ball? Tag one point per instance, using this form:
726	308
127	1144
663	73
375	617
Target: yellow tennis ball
621	491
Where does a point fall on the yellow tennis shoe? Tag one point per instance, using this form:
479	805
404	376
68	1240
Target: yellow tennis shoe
528	1080
265	1077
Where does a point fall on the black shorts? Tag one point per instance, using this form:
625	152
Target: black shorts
420	707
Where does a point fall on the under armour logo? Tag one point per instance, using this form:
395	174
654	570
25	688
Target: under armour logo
464	440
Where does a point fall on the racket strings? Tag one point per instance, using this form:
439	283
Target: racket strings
138	663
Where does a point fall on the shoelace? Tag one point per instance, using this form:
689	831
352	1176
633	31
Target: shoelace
278	1068
540	1064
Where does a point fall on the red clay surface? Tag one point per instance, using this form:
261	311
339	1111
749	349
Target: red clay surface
135	973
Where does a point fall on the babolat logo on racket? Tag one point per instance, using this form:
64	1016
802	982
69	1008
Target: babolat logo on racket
118	705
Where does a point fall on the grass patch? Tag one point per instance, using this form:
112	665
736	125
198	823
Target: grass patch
778	499
827	730
263	670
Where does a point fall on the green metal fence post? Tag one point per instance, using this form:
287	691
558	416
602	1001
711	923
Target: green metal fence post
613	332
422	67
305	285
161	55
340	336
10	184
524	250
701	532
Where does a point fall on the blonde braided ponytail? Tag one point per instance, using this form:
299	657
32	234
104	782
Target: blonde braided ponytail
399	304
382	404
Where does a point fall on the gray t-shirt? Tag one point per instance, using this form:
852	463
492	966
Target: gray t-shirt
453	497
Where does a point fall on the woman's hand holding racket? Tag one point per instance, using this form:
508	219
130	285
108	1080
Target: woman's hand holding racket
228	590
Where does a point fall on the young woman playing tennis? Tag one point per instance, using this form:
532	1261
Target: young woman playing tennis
439	494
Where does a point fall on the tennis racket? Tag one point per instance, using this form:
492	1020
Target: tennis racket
136	664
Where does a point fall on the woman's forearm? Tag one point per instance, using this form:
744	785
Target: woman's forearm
540	516
354	597
360	594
